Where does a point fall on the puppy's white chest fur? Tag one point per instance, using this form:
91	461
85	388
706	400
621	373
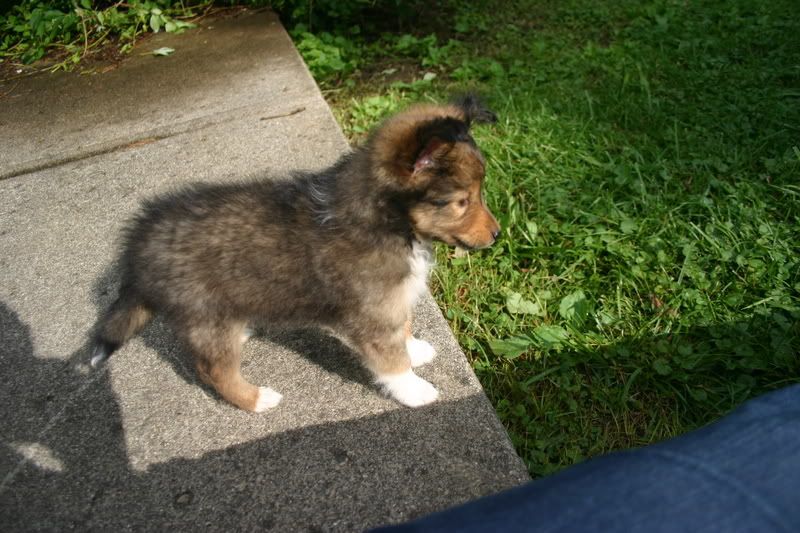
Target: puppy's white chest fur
420	260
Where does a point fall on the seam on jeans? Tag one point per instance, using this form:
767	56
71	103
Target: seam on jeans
764	506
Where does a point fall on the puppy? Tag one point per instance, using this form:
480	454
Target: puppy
348	248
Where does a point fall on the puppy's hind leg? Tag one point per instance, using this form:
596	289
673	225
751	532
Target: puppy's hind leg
217	352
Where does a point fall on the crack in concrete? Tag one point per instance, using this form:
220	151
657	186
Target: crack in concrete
142	140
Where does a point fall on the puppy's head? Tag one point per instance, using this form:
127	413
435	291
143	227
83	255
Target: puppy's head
427	156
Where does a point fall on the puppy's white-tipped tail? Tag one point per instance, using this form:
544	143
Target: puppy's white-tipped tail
101	351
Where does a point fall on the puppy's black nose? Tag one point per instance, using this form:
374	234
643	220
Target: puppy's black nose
495	234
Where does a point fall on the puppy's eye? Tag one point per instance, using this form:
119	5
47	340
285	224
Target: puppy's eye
464	202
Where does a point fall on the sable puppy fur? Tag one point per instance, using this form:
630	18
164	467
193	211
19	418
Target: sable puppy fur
346	248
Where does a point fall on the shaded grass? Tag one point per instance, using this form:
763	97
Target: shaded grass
645	171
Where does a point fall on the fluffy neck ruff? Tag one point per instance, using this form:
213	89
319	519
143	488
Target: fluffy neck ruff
349	196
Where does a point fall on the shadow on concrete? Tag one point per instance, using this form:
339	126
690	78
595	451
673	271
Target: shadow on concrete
66	465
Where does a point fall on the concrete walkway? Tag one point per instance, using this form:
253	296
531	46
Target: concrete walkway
139	444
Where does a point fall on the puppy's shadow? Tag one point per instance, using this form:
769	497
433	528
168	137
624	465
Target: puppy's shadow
315	345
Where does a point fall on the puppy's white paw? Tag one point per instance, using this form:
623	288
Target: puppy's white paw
420	352
408	389
267	399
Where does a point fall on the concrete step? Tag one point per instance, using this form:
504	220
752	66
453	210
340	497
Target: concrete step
140	444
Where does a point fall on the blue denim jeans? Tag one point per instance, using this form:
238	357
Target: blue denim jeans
741	473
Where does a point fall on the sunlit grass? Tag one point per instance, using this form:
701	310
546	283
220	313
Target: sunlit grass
645	170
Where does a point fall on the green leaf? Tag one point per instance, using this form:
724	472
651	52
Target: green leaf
607	318
698	394
516	304
181	25
661	366
628	226
163	51
551	336
575	307
533	229
544	294
510	348
86	4
155	22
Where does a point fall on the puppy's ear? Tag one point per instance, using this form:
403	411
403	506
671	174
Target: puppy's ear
474	109
412	147
429	155
434	140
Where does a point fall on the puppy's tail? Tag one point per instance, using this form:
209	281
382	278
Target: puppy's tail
126	317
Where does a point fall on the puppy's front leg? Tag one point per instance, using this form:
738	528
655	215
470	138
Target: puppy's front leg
389	361
420	351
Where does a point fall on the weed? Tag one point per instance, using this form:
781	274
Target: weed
328	56
33	27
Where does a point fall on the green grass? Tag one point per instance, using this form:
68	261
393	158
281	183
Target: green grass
645	171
